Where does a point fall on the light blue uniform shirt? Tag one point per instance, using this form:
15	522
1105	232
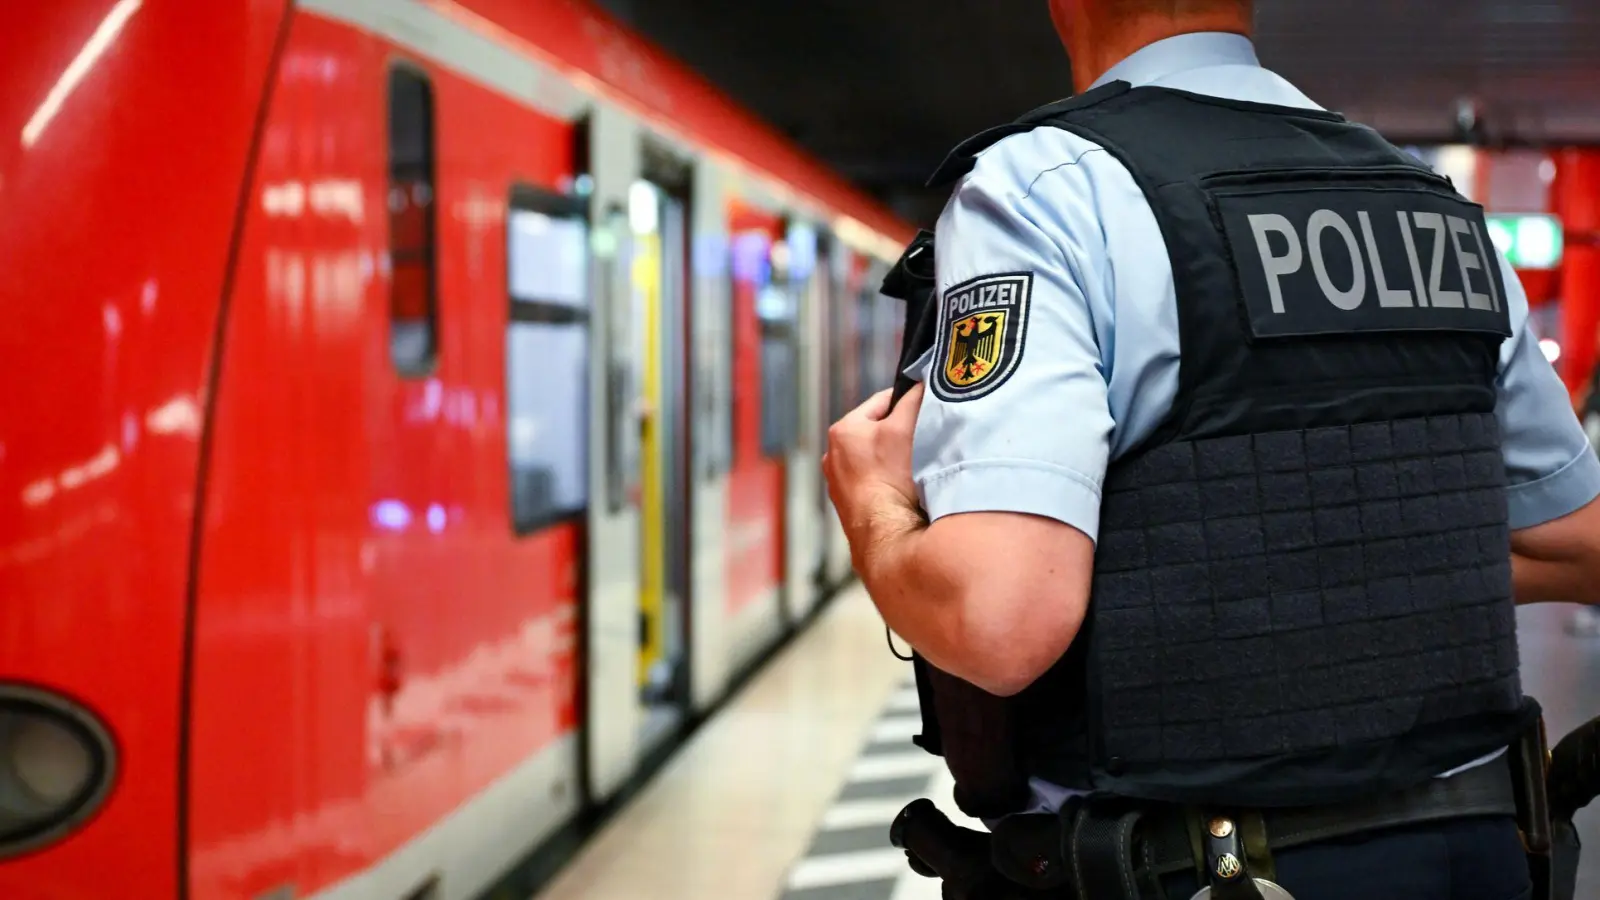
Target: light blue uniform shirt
1098	369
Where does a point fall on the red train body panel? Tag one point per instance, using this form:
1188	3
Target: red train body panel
280	571
416	649
122	170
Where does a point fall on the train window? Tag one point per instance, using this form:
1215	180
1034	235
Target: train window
610	244
777	315
711	313
780	407
413	306
547	358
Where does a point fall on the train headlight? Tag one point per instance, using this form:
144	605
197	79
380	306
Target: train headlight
56	767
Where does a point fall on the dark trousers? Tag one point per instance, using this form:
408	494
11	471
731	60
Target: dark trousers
1463	859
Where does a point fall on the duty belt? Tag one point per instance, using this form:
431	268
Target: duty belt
1482	791
1117	849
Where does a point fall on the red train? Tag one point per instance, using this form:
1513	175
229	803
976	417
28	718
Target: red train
412	414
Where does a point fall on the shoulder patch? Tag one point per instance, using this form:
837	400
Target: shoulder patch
982	326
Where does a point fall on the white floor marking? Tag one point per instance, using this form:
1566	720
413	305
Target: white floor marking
847	868
862	813
912	886
905	700
897	765
896	729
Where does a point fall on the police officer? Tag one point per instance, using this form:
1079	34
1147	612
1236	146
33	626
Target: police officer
1230	454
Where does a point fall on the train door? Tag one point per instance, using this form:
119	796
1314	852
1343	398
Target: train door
611	720
765	417
658	221
796	271
710	392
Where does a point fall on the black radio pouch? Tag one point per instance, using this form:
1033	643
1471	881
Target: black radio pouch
972	729
913	281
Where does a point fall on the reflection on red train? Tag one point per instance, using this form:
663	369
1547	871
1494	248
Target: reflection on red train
419	422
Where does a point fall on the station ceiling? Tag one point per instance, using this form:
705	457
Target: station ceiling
881	89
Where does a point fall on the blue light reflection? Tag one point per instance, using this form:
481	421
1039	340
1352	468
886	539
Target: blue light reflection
391	515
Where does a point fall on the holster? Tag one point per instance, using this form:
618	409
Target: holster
1020	861
1572	780
977	738
1087	851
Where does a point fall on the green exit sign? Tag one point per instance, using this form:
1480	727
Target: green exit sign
1528	241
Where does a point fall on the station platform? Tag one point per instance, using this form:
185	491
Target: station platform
788	792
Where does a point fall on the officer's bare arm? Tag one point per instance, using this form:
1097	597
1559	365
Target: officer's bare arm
1559	561
990	597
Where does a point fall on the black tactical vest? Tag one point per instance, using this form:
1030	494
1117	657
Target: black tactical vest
1302	586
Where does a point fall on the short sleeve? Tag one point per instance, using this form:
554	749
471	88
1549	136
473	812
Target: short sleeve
1016	416
1551	467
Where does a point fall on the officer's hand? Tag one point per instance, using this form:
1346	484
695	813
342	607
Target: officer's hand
868	463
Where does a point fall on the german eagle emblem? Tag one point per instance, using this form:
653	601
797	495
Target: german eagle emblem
975	346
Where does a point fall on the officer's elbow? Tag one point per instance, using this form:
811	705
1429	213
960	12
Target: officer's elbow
1559	560
1009	649
1009	682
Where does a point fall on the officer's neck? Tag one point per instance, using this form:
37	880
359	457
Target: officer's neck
1100	44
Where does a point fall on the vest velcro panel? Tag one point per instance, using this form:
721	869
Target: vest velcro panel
1289	592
